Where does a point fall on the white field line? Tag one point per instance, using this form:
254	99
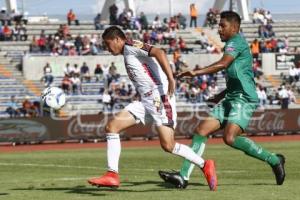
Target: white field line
101	168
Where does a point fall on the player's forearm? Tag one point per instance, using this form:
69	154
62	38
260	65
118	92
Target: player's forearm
213	68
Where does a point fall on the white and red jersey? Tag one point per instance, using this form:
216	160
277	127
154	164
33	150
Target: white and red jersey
144	71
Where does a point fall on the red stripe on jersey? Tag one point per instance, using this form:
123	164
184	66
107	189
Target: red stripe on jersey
148	71
168	108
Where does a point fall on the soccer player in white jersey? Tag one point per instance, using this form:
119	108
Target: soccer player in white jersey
149	70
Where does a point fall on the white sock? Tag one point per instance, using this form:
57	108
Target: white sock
113	151
187	153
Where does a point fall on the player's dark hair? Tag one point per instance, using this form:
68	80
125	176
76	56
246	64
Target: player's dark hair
113	32
231	16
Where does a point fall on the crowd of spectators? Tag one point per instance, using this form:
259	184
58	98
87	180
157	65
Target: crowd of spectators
212	17
282	96
28	108
63	43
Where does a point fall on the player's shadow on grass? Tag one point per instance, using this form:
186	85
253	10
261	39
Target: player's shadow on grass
157	183
80	189
127	186
3	194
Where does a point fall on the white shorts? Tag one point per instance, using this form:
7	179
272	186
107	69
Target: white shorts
160	110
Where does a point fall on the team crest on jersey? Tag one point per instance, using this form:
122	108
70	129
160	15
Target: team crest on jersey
141	45
137	44
230	49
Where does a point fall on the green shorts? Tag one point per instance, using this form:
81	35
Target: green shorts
234	110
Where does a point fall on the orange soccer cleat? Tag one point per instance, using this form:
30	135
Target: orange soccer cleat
109	179
209	171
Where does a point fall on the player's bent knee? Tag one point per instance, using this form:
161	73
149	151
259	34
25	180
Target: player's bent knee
228	139
167	147
109	128
201	131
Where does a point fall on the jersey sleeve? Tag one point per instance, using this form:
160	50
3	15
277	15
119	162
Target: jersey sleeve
139	48
232	49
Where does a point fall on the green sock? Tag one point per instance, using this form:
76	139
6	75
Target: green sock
252	149
198	145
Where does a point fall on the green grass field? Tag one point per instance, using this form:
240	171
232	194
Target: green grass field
62	175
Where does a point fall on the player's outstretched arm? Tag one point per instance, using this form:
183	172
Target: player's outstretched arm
223	63
189	73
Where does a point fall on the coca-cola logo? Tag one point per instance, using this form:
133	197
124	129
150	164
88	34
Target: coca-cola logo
77	128
268	121
186	127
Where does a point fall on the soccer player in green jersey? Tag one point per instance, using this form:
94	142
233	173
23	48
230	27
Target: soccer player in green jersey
233	113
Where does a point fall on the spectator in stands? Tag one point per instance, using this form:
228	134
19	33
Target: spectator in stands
176	59
42	43
181	21
85	73
85	50
255	48
68	70
106	76
72	51
211	18
106	100
273	43
172	45
23	33
292	97
284	97
213	90
156	24
5	17
262	31
33	46
7	32
76	70
193	15
48	77
203	40
27	108
258	17
66	84
182	46
270	31
97	22
78	44
12	107
114	75
98	72
143	21
262	96
76	84
113	12
173	23
257	71
293	74
71	17
268	17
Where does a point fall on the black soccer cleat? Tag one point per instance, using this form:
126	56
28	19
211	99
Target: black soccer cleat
279	170
174	178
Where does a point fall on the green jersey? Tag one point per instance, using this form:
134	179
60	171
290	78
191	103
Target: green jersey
240	78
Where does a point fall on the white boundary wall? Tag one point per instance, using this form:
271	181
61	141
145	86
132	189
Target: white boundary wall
33	65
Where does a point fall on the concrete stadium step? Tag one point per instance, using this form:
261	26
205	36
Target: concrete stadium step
56	27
